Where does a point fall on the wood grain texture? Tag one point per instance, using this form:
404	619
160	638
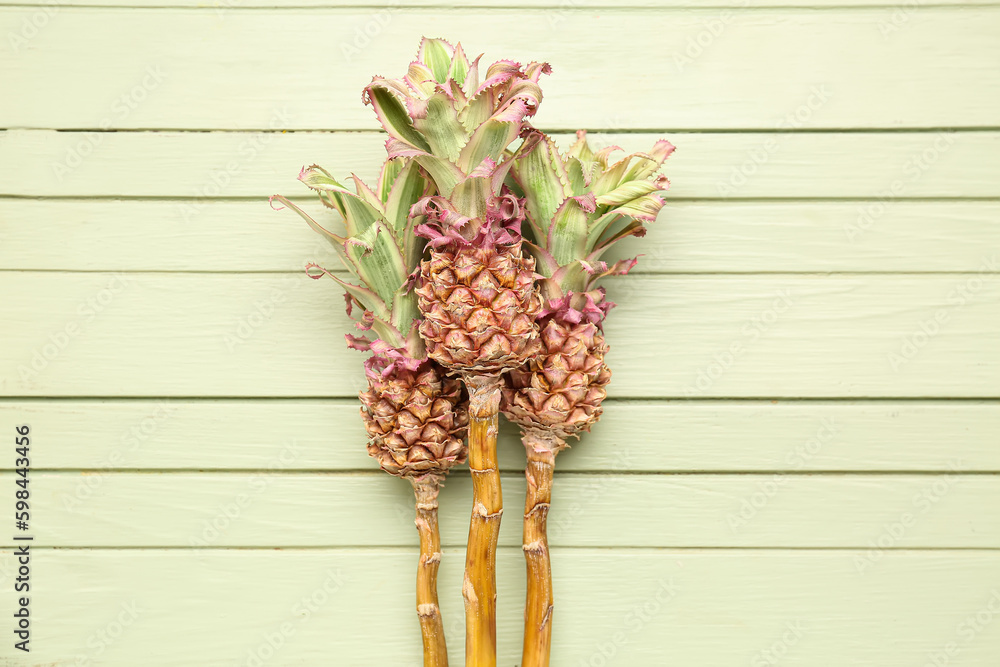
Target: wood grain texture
647	607
196	168
689	237
688	67
762	436
95	334
284	509
189	391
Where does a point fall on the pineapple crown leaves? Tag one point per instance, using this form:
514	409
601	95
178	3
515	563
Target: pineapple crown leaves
388	361
577	307
500	224
580	204
379	249
442	115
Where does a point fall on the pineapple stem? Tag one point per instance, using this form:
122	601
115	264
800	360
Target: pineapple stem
480	587
541	448
431	625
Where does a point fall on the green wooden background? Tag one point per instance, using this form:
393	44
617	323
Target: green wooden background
799	462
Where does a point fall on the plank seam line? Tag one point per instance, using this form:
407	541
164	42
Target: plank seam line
460	548
623	399
763	200
706	402
513	473
494	7
925	129
647	272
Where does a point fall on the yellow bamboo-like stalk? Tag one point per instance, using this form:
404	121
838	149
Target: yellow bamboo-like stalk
431	624
541	449
480	588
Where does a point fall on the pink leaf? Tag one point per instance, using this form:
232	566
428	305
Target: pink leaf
359	343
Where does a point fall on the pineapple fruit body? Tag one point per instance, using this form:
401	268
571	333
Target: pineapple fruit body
477	292
559	391
416	419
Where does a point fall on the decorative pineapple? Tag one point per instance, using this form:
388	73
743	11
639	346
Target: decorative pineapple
477	294
414	415
456	177
477	290
578	206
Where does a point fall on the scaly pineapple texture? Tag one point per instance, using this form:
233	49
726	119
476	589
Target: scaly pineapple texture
415	419
478	296
562	388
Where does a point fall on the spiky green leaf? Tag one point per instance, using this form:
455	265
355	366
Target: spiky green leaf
598	227
444	172
408	186
368	195
567	239
544	181
441	128
623	228
404	309
387	177
626	192
572	277
379	261
358	212
437	57
471	195
643	208
650	162
581	149
420	78
394	118
489	140
612	177
459	66
577	176
477	111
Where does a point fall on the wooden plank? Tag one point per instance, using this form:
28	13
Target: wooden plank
690	237
215	607
761	436
274	508
197	168
159	67
96	334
